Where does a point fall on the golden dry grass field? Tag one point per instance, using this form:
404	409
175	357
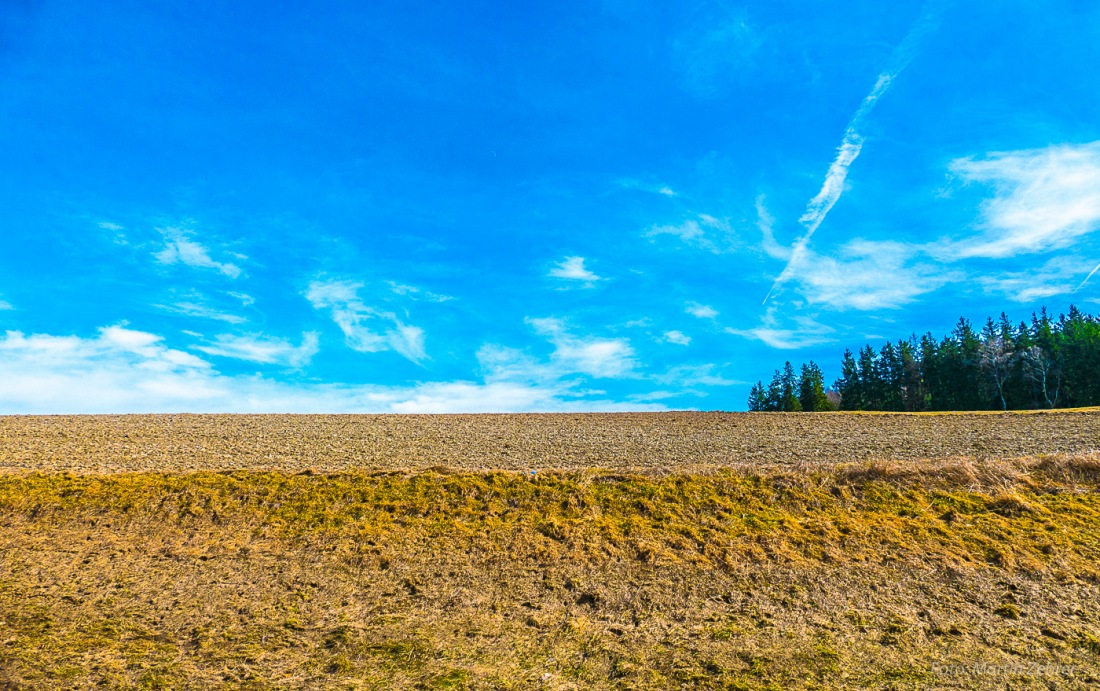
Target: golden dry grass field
647	551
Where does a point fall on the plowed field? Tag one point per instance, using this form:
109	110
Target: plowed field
334	443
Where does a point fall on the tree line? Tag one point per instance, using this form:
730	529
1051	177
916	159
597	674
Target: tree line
1044	363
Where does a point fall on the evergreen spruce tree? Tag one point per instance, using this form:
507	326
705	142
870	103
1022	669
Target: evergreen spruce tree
789	402
870	385
848	386
758	398
911	380
811	389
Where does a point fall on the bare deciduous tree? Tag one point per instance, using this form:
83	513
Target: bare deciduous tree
1043	372
996	358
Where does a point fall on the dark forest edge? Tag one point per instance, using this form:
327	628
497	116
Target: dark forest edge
1042	365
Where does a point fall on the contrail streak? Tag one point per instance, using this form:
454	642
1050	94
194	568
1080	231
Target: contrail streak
1095	269
818	207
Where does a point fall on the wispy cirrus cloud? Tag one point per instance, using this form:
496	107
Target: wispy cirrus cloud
194	303
497	397
414	293
789	334
663	190
676	337
179	248
263	349
1057	276
701	311
246	300
766	223
202	311
694	375
715	235
868	275
366	328
591	355
573	269
1044	199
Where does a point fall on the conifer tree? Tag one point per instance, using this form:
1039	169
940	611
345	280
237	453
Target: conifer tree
811	389
789	402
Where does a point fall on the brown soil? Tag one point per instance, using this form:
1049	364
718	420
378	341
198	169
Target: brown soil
334	443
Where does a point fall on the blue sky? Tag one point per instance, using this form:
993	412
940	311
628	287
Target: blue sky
465	207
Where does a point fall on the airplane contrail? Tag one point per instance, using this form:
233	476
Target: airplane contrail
818	207
1082	285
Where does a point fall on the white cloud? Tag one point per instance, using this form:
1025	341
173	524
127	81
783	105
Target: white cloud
633	184
1043	199
501	363
5	305
126	371
598	357
179	249
658	395
572	269
766	223
416	293
246	300
866	275
677	337
107	225
1058	276
264	349
202	311
193	303
120	370
687	231
704	231
802	333
701	311
783	339
694	375
366	329
493	397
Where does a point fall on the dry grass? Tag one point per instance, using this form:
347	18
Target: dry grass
803	574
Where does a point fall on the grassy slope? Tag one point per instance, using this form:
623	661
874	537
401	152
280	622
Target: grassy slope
864	575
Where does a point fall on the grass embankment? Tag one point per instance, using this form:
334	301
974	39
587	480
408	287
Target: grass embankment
863	575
